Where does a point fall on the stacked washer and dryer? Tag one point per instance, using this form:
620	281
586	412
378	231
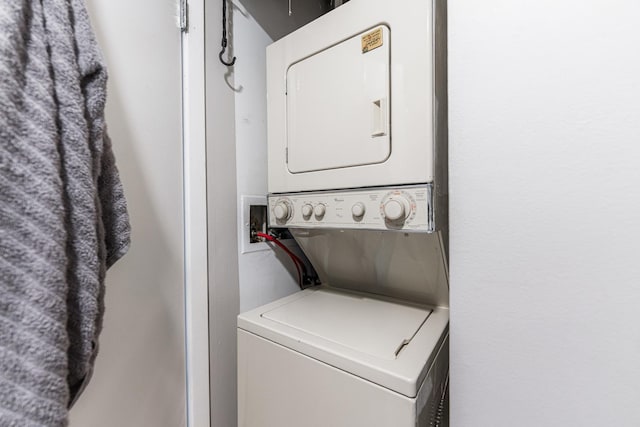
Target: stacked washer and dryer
357	143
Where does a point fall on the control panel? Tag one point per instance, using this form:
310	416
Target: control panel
406	208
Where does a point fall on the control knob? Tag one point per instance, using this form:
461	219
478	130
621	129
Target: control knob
319	211
307	210
282	211
397	208
358	210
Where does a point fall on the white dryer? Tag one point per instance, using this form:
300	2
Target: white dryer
357	98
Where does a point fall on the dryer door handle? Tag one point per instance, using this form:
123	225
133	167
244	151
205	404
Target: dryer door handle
380	117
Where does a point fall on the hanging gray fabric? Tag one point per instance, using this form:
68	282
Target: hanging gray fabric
63	218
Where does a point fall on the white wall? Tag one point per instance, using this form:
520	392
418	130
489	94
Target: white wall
265	275
236	166
139	373
222	214
545	199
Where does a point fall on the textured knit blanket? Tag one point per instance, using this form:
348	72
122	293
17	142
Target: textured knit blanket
63	218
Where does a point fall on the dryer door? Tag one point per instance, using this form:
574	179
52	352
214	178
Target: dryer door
338	105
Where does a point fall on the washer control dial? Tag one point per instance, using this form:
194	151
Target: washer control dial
319	211
282	210
358	210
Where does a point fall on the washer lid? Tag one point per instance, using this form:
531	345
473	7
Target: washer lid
379	339
357	321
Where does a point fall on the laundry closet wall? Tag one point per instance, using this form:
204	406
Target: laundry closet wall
237	166
267	274
544	132
139	377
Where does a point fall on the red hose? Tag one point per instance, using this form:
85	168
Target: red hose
296	260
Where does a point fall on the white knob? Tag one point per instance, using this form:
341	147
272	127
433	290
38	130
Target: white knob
282	211
358	210
319	211
396	209
307	210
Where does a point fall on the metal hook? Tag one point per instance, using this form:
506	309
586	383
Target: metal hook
228	64
224	36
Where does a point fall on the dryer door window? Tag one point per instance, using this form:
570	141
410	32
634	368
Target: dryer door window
338	105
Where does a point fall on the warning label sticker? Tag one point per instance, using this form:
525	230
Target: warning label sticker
372	40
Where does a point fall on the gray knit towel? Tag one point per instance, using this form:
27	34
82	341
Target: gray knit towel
63	218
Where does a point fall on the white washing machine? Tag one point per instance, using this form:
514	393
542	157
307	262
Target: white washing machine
357	172
351	355
327	357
